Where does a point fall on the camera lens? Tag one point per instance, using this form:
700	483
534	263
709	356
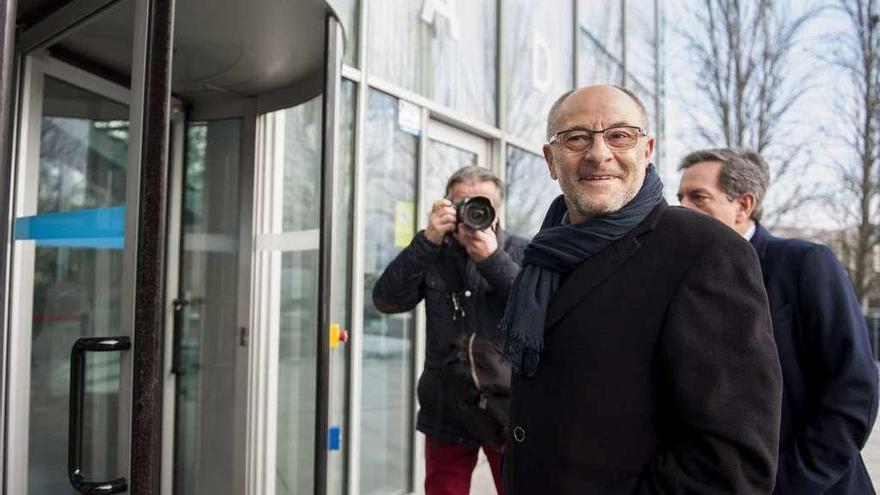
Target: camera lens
477	213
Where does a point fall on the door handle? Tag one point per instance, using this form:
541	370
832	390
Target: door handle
178	305
77	399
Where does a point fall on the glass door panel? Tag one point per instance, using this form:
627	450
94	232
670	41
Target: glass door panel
206	312
298	310
284	313
386	406
68	273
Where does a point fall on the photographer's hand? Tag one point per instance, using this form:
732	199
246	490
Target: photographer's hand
441	221
479	244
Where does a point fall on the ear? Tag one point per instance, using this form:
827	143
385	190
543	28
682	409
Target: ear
649	149
548	157
746	204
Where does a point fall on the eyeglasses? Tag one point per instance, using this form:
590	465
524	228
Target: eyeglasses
617	138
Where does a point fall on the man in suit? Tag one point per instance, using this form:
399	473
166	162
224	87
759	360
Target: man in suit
639	333
830	379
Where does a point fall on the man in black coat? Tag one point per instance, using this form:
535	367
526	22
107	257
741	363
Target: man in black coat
829	402
464	275
639	333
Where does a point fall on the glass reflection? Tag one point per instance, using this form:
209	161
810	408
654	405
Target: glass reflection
205	414
386	397
602	20
297	365
538	63
530	190
641	45
443	50
441	161
83	159
597	65
302	166
298	339
351	20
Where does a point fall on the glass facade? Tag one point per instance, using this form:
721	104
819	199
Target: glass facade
441	161
538	64
444	50
530	190
387	340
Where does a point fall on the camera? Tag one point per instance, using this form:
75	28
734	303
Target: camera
477	212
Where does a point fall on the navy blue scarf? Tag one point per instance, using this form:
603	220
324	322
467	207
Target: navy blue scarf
558	249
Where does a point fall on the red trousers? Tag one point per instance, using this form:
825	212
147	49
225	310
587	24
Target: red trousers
448	467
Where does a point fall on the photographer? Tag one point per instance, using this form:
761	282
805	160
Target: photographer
464	273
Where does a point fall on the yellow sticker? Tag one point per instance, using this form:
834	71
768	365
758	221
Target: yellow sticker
404	223
334	335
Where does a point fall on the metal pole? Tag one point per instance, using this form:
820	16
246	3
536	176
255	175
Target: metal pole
7	78
355	365
576	44
332	87
659	86
625	67
151	82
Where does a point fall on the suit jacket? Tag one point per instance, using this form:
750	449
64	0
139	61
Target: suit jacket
659	373
830	380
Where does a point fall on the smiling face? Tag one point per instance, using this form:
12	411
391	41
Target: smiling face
598	181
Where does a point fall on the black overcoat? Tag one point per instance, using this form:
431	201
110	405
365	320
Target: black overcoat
829	402
659	373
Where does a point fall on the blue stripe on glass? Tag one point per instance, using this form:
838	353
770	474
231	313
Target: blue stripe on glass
99	228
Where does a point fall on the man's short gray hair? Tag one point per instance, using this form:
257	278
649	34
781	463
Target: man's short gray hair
742	171
471	174
553	114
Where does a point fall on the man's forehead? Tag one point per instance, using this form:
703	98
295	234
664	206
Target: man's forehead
604	104
702	173
471	188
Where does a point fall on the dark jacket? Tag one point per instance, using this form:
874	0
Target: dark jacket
659	373
830	380
415	275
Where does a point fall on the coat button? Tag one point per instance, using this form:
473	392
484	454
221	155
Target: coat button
519	434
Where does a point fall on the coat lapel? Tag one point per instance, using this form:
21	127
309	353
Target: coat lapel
587	276
596	269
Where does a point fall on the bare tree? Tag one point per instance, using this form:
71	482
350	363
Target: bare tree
746	83
857	52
